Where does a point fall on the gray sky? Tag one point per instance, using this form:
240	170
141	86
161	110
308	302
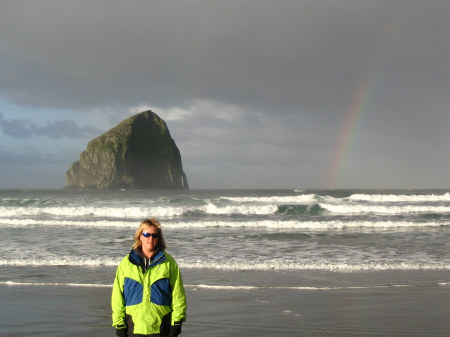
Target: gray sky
256	94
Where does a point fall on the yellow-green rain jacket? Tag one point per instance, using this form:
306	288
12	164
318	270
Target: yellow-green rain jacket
148	301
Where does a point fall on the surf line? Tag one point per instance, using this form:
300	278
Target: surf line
53	284
225	287
222	287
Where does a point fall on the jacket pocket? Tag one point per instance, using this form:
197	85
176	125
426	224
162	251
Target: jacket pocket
132	291
161	293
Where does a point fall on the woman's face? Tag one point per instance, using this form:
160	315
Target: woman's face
149	240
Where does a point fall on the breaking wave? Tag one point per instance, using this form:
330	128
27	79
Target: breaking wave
400	198
213	209
325	265
257	224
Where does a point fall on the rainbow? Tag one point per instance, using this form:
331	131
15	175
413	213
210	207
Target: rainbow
360	98
347	137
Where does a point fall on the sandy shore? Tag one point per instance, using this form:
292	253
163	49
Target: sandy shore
393	311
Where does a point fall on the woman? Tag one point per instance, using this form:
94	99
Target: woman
148	297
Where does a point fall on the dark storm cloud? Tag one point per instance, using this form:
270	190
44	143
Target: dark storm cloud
293	55
256	92
25	128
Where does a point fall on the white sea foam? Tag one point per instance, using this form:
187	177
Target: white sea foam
134	212
325	265
249	205
294	199
240	209
307	225
89	285
60	261
382	209
400	198
220	287
95	211
67	223
257	224
242	287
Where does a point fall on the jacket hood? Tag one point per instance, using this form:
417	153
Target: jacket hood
137	259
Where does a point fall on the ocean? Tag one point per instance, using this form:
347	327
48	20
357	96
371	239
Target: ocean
231	240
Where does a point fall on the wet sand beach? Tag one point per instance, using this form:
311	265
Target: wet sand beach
388	311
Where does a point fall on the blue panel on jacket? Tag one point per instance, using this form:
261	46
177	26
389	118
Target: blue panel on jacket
161	293
132	291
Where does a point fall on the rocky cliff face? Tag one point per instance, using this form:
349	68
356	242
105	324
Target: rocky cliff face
139	153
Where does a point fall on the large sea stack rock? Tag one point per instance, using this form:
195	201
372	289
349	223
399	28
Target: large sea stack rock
139	153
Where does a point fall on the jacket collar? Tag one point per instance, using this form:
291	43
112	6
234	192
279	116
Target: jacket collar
136	258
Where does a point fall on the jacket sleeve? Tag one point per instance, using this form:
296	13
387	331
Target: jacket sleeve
179	305
117	300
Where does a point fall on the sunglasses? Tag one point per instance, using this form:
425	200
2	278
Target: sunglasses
147	235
